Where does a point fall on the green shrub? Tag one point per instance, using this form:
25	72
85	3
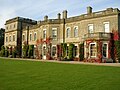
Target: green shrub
2	52
6	53
14	52
25	50
64	49
30	50
70	51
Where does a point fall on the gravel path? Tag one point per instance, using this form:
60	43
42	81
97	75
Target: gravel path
68	62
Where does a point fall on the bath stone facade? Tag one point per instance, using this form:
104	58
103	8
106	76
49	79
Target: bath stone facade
95	30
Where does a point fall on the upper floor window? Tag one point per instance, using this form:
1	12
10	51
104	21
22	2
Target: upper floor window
6	27
44	34
23	37
106	27
9	38
35	36
6	39
30	37
76	32
54	34
13	37
14	26
68	32
10	26
90	28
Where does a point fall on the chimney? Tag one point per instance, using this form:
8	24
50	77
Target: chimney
59	16
65	14
89	10
46	18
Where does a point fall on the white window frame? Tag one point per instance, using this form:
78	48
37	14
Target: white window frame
106	30
34	36
106	50
76	51
54	29
75	34
6	39
10	38
30	37
13	37
52	51
90	30
90	50
68	35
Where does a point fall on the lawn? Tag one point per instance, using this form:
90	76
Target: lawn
29	75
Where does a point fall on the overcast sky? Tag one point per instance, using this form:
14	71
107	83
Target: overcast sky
37	9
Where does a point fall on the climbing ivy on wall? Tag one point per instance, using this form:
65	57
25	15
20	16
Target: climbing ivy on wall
81	56
64	48
70	51
117	50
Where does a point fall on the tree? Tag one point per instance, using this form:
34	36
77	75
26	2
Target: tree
2	52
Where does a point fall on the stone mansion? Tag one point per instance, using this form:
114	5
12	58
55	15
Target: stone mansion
95	31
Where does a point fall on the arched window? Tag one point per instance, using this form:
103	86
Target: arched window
35	36
76	32
68	32
30	37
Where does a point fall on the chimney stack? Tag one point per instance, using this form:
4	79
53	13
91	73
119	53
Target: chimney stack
59	16
46	18
65	14
89	10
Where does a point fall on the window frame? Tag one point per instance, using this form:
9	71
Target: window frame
108	27
30	36
6	39
89	30
10	38
106	50
35	36
13	37
91	50
68	34
55	51
53	34
76	33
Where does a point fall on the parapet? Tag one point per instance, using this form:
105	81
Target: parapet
25	20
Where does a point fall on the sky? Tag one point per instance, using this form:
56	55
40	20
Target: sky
37	9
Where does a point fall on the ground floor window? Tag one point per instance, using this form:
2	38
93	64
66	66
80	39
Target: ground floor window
53	51
93	50
104	50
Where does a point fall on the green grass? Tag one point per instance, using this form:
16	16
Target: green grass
29	75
